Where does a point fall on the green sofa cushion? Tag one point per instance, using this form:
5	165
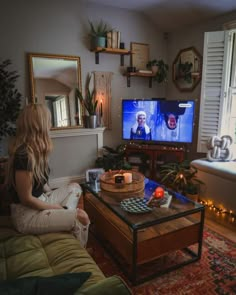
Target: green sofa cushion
44	255
66	283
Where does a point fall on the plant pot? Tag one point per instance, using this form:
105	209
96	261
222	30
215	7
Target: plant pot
154	69
86	121
92	121
98	42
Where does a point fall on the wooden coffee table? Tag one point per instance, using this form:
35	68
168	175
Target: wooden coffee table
140	239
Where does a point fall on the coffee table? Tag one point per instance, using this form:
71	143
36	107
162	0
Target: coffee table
148	244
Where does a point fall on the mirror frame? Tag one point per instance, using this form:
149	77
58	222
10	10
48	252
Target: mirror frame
78	82
195	74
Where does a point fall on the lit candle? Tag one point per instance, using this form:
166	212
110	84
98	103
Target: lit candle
159	192
128	177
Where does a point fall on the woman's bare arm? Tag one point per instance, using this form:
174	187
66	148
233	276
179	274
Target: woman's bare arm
24	191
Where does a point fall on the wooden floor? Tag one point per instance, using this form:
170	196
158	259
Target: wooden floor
227	230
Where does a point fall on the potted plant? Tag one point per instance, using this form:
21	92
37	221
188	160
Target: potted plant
159	68
113	159
10	100
89	102
98	34
181	177
152	65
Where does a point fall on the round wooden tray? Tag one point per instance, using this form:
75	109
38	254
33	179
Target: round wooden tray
107	182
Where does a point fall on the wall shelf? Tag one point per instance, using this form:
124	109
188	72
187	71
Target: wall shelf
121	52
142	75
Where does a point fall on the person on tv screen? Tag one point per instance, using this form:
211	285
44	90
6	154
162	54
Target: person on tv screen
140	129
171	121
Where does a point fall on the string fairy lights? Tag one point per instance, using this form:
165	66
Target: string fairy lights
219	211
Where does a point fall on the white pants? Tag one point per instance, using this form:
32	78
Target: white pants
31	221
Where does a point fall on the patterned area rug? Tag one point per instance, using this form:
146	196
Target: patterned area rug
215	273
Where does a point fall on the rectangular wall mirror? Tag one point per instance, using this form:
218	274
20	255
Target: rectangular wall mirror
53	79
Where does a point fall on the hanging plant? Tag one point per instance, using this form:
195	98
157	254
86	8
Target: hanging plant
162	70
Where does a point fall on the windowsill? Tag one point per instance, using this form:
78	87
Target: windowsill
226	170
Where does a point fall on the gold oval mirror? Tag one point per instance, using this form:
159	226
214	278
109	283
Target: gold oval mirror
187	69
53	79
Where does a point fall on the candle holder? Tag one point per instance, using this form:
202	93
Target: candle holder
133	181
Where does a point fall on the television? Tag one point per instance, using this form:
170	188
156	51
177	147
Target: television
158	120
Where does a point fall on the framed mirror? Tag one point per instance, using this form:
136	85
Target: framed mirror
53	79
187	69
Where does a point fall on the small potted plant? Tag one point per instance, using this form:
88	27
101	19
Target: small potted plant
98	34
153	65
181	177
159	68
113	159
89	102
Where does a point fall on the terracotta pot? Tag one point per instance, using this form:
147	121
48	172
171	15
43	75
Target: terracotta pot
154	69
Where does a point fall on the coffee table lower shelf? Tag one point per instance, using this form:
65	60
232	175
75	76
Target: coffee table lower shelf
151	251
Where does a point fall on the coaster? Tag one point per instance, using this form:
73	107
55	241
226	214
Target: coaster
135	205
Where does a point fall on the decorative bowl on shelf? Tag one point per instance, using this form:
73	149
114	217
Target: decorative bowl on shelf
113	181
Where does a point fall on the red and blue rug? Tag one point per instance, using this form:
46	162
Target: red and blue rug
215	273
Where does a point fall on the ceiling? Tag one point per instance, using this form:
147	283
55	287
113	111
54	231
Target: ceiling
171	15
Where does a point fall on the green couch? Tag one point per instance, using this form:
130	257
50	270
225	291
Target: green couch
48	255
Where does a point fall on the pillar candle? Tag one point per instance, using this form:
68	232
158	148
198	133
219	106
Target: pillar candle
128	177
101	109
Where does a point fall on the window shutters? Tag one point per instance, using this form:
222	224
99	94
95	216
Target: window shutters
214	85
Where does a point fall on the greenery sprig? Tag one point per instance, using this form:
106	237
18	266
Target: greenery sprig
99	30
88	101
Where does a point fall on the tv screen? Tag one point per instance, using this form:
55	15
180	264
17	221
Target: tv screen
158	120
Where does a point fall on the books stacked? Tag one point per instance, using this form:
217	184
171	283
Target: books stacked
145	71
113	39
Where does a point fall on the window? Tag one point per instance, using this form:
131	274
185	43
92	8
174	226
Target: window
218	93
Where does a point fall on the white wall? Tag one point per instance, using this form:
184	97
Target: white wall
61	27
191	36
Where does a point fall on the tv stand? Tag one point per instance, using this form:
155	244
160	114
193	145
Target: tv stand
147	158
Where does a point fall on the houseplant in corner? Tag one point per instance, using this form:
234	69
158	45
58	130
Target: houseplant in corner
182	178
10	100
159	68
98	34
89	102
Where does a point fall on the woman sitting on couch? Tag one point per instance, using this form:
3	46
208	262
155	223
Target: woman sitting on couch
37	209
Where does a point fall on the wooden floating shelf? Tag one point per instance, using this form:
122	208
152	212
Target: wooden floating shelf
137	74
119	51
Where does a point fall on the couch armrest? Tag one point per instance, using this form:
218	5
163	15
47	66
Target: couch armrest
110	286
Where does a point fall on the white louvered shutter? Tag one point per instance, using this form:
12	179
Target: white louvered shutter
215	81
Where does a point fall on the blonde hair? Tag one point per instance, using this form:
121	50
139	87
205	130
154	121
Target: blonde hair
140	113
32	133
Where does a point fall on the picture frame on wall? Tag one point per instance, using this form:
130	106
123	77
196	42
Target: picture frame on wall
93	178
140	55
